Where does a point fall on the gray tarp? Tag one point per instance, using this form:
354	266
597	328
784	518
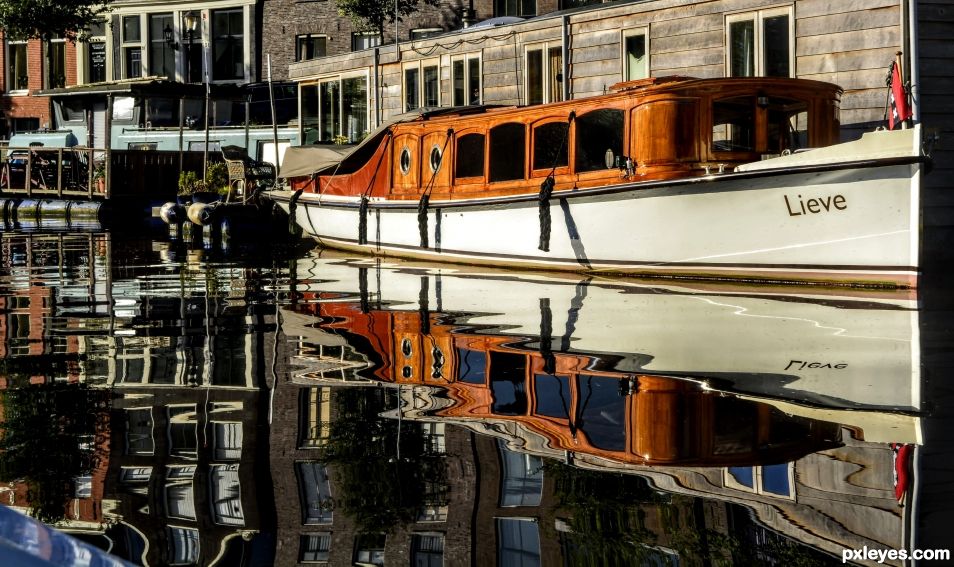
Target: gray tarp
303	161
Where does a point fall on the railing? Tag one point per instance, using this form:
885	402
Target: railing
52	172
82	173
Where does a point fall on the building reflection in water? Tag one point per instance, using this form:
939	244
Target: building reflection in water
401	415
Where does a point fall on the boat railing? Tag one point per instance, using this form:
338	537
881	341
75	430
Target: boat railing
35	171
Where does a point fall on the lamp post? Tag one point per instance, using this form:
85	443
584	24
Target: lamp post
191	20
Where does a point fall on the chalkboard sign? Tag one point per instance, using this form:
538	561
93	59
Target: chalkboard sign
97	62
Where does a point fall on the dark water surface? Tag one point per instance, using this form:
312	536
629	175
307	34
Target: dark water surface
281	405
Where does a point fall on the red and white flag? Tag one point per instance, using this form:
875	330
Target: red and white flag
898	109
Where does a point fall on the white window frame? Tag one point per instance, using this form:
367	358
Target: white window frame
545	47
759	17
420	65
47	47
466	58
730	482
624	67
11	80
126	44
339	78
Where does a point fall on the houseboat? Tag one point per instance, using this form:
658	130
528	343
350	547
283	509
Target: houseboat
675	177
157	114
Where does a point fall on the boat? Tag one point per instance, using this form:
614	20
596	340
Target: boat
728	178
847	356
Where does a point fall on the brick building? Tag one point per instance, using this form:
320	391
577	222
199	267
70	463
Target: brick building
30	66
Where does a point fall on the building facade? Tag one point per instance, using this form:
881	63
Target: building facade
30	66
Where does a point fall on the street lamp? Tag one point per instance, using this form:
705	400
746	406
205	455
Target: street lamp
191	20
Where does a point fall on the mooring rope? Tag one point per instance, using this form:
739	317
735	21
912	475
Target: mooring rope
546	191
292	205
363	220
426	197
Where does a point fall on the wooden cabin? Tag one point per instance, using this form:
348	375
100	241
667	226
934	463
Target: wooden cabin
565	397
650	129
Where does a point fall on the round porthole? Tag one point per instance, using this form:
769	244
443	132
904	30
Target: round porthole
435	159
405	160
406	347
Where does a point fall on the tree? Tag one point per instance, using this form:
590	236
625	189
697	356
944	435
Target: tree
45	19
372	15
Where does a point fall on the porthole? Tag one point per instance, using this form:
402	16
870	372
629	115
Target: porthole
435	159
406	347
406	160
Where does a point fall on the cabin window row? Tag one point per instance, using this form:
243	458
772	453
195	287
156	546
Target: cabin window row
597	135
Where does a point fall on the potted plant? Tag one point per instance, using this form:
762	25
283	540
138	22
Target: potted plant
189	185
217	179
99	177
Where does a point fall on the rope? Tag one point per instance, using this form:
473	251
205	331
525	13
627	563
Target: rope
546	191
363	220
426	197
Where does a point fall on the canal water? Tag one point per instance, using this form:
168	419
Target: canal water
180	403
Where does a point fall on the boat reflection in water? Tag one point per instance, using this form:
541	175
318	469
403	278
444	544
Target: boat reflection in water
785	403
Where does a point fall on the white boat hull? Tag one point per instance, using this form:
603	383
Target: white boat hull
855	222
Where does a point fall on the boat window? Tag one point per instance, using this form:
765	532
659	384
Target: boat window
733	125
405	160
602	412
550	145
73	110
435	159
162	112
123	107
787	124
470	156
597	132
508	383
472	366
553	395
507	152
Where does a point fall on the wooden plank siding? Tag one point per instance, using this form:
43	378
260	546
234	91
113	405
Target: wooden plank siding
850	43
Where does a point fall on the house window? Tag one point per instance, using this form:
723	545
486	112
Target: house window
315	492
310	46
228	45
314	407
83	486
226	495
544	64
139	425
336	107
522	478
180	493
433	433
183	429
55	64
518	542
421	85
134	475
364	40
314	548
520	8
94	62
228	440
162	56
183	546
369	549
19	76
427	550
465	78
760	44
635	55
132	47
774	480
423	33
